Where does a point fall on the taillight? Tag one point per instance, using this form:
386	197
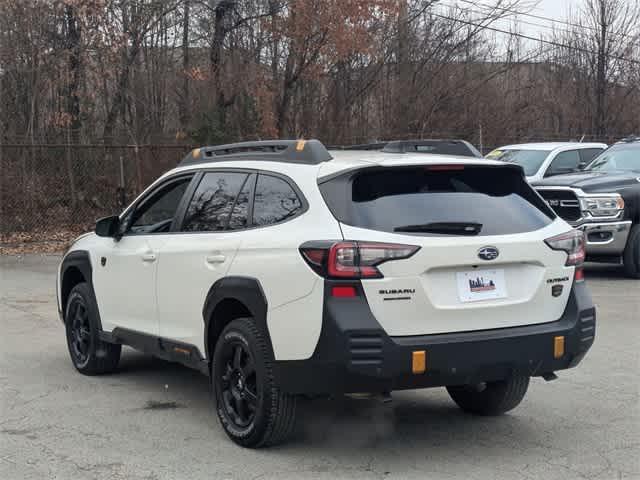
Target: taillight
353	260
573	243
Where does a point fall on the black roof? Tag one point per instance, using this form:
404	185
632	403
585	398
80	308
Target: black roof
433	146
360	146
438	146
308	152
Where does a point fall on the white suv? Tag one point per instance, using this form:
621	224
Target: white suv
281	270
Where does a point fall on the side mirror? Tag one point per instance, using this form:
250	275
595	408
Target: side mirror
108	226
581	166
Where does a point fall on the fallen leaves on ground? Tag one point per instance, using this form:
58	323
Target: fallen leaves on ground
20	243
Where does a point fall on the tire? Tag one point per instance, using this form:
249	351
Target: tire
251	408
495	399
631	256
89	354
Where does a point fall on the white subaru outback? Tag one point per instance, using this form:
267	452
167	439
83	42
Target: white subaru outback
280	270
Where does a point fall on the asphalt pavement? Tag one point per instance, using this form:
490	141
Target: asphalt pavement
154	420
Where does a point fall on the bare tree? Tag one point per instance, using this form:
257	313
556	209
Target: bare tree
139	71
602	51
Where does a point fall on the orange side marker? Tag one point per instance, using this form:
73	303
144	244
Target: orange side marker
419	362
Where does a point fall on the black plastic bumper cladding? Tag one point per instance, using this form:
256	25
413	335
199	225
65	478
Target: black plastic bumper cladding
354	354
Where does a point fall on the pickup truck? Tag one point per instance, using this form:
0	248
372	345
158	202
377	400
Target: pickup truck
543	160
603	200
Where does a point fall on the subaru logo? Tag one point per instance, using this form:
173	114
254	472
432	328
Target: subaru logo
488	253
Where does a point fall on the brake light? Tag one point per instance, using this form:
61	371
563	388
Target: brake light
573	243
353	260
444	168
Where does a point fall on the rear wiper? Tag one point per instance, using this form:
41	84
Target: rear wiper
445	228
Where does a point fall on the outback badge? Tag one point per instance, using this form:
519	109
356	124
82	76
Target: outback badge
488	253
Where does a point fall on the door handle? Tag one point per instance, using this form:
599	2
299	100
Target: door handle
149	257
215	258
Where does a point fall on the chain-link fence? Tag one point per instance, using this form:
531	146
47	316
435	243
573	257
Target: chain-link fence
49	193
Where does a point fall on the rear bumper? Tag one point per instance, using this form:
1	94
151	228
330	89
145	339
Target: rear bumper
355	355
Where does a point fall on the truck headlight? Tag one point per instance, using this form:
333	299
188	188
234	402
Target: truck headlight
602	206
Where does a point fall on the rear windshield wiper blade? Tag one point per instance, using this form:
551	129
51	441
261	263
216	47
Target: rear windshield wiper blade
445	228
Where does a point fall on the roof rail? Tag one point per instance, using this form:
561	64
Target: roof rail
307	152
630	139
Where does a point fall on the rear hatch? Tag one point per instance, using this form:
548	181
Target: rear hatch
482	263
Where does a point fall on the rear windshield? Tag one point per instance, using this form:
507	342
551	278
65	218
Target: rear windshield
475	200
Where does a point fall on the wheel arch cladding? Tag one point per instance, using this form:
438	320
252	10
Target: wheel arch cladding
76	268
632	200
230	298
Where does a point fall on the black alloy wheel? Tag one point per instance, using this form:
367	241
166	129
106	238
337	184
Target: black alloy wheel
79	331
89	354
253	411
238	384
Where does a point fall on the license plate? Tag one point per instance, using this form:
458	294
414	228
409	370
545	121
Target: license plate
477	285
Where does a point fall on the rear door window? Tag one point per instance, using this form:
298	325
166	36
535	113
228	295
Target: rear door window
588	154
469	200
213	201
565	162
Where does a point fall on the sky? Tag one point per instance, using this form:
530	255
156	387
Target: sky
556	8
536	21
530	22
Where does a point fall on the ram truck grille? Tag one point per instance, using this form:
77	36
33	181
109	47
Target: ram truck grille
564	202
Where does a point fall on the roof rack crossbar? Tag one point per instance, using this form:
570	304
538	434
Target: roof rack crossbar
308	152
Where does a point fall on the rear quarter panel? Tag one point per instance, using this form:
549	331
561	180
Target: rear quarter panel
293	291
